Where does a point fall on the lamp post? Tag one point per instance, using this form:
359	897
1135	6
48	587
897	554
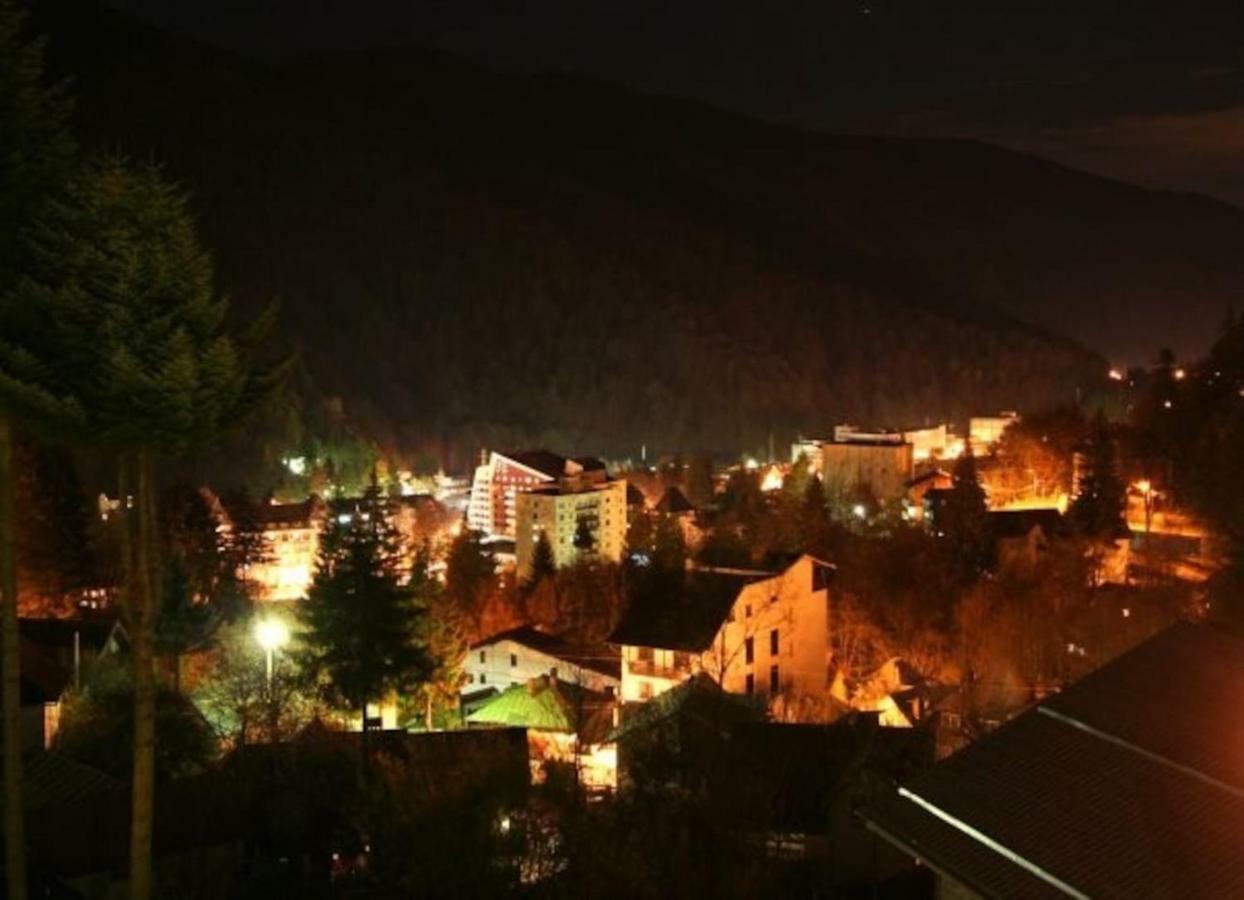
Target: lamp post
272	634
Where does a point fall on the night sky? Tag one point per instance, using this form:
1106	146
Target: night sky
1153	95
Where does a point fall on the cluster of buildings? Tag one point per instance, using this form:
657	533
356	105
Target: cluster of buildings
896	466
291	535
574	504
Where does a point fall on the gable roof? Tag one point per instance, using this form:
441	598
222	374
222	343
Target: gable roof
687	616
546	463
674	501
697	698
598	658
548	704
1014	523
1092	793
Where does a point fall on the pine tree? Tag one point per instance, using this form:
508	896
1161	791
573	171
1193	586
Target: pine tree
361	627
700	482
244	545
469	572
118	312
1097	510
542	563
36	150
584	540
446	633
963	519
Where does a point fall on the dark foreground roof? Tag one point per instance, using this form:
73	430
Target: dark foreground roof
674	501
603	659
1128	784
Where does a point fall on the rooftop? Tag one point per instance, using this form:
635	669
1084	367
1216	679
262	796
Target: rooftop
1129	783
600	658
688	616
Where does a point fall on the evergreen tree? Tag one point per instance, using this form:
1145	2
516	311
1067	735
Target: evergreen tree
470	571
669	547
119	312
446	634
36	150
963	519
244	544
362	629
798	479
1097	510
542	563
185	618
584	541
700	482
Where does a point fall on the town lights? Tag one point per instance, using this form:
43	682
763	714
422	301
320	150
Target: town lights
272	635
859	511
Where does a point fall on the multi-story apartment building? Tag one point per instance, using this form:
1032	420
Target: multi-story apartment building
291	532
581	518
752	632
503	476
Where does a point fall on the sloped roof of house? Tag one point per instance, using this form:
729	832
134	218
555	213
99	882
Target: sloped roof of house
543	461
50	777
687	618
1014	523
597	658
674	501
549	704
1129	783
698	697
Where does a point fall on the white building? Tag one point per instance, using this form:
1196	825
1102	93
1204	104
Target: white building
579	520
753	632
503	476
521	654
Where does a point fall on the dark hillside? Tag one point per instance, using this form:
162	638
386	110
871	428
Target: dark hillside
468	257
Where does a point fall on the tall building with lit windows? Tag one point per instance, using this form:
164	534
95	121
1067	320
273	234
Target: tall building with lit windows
583	519
503	476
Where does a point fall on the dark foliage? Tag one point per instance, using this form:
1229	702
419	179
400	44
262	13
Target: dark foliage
97	726
362	630
1097	510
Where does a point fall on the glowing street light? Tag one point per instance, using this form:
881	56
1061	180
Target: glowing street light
272	635
859	511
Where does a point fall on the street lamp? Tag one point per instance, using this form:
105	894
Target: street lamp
272	634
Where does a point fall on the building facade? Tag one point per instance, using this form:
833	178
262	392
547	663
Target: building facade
582	520
882	468
517	656
764	635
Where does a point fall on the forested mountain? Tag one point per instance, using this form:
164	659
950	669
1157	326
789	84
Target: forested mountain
473	258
